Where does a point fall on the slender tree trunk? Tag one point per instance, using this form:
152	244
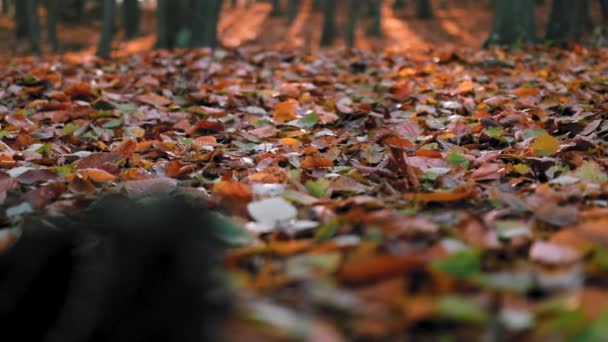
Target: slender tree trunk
33	26
204	24
292	9
5	7
424	9
51	22
276	8
317	5
399	4
568	21
353	18
328	35
130	18
376	12
164	33
21	19
604	7
513	23
105	42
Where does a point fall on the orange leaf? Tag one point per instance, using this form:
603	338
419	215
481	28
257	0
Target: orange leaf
311	162
464	87
285	111
374	267
488	171
397	142
177	168
439	196
154	99
233	189
96	175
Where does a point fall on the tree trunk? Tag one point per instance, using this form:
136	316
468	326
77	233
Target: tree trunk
292	9
424	9
5	7
353	18
33	26
130	18
276	8
204	24
165	36
51	22
604	7
21	19
376	12
568	21
328	35
399	4
105	42
513	23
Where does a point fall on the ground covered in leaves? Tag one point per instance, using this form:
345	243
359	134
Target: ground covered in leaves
455	194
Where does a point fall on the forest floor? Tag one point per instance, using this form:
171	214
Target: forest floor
435	193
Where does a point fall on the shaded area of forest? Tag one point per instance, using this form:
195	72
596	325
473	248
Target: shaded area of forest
299	24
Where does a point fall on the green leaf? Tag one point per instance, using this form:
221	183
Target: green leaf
532	133
63	170
112	123
463	264
495	132
318	188
127	108
46	148
327	230
461	309
69	129
591	172
309	120
457	158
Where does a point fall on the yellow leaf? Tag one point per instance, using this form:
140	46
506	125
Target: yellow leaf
545	145
522	169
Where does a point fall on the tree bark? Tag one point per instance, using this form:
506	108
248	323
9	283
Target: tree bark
130	18
513	23
165	37
105	42
353	18
292	9
569	21
21	19
328	35
5	7
51	22
376	12
33	26
276	8
204	24
424	9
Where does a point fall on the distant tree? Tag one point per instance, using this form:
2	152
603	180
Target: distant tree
130	17
375	11
424	9
604	7
328	34
317	5
568	21
165	35
105	42
33	26
6	7
399	4
292	9
21	30
71	10
204	25
52	13
513	23
353	18
276	8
